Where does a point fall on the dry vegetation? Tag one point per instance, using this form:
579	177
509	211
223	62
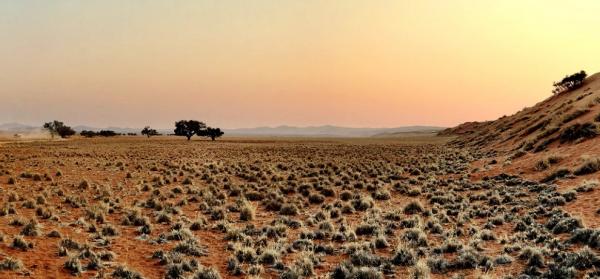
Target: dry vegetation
168	208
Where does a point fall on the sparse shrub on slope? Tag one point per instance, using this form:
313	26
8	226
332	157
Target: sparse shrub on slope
590	165
578	131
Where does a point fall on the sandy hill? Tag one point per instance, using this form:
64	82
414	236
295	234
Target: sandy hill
556	135
561	120
555	141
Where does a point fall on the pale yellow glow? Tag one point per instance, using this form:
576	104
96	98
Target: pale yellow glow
254	63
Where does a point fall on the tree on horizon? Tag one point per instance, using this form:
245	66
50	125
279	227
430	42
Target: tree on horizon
147	131
213	133
58	128
189	128
569	82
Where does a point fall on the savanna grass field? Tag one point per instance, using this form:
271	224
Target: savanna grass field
286	139
265	207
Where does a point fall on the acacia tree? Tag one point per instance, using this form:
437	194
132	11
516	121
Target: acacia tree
213	133
58	128
189	128
569	83
147	131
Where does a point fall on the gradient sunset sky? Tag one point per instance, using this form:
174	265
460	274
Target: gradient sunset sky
265	63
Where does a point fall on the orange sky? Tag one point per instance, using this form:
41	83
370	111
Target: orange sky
263	63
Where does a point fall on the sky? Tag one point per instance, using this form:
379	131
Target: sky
255	63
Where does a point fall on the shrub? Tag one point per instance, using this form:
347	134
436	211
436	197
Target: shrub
122	272
415	237
304	265
288	209
189	247
364	258
587	186
73	265
533	256
404	256
413	207
17	222
503	259
362	203
560	173
247	212
109	230
366	229
420	271
438	265
545	163
31	229
381	242
589	166
574	115
234	267
289	273
382	195
583	259
11	264
316	198
268	257
578	131
20	243
346	195
487	235
366	273
586	236
560	271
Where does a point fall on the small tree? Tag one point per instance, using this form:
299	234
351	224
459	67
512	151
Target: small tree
88	134
58	128
107	133
213	133
569	83
147	131
189	128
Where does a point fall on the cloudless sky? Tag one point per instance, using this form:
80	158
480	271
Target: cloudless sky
264	63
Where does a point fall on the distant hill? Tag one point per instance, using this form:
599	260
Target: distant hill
22	128
17	128
426	132
326	131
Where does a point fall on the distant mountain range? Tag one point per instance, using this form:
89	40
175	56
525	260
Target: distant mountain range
328	131
283	131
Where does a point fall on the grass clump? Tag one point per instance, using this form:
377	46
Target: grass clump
11	264
247	211
31	229
123	272
547	162
559	173
413	207
20	243
404	256
420	271
73	265
288	210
